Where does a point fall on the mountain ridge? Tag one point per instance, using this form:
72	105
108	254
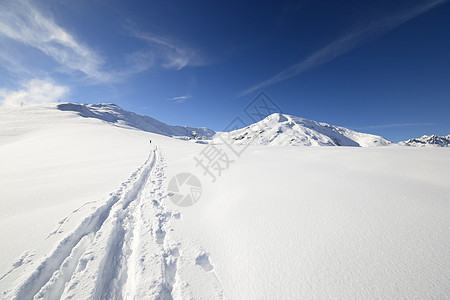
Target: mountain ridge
428	141
114	114
286	130
276	129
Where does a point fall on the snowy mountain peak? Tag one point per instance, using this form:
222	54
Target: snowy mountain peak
114	114
286	130
428	141
278	118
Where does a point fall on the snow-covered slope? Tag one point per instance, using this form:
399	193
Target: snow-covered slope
83	211
428	141
325	222
114	114
285	130
85	214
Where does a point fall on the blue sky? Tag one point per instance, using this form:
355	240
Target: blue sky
381	67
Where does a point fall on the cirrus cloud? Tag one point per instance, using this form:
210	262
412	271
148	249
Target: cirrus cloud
346	43
24	23
178	99
169	52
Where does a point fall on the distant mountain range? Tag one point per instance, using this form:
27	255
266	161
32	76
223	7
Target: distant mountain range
275	130
428	141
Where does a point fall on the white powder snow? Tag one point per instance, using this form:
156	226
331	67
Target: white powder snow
85	214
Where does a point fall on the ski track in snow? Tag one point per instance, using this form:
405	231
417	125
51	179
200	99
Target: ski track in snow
61	223
121	251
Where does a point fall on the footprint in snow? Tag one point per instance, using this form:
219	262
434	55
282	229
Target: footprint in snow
203	261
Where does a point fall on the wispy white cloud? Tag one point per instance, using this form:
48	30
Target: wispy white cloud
170	53
394	125
345	44
179	99
35	91
24	23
